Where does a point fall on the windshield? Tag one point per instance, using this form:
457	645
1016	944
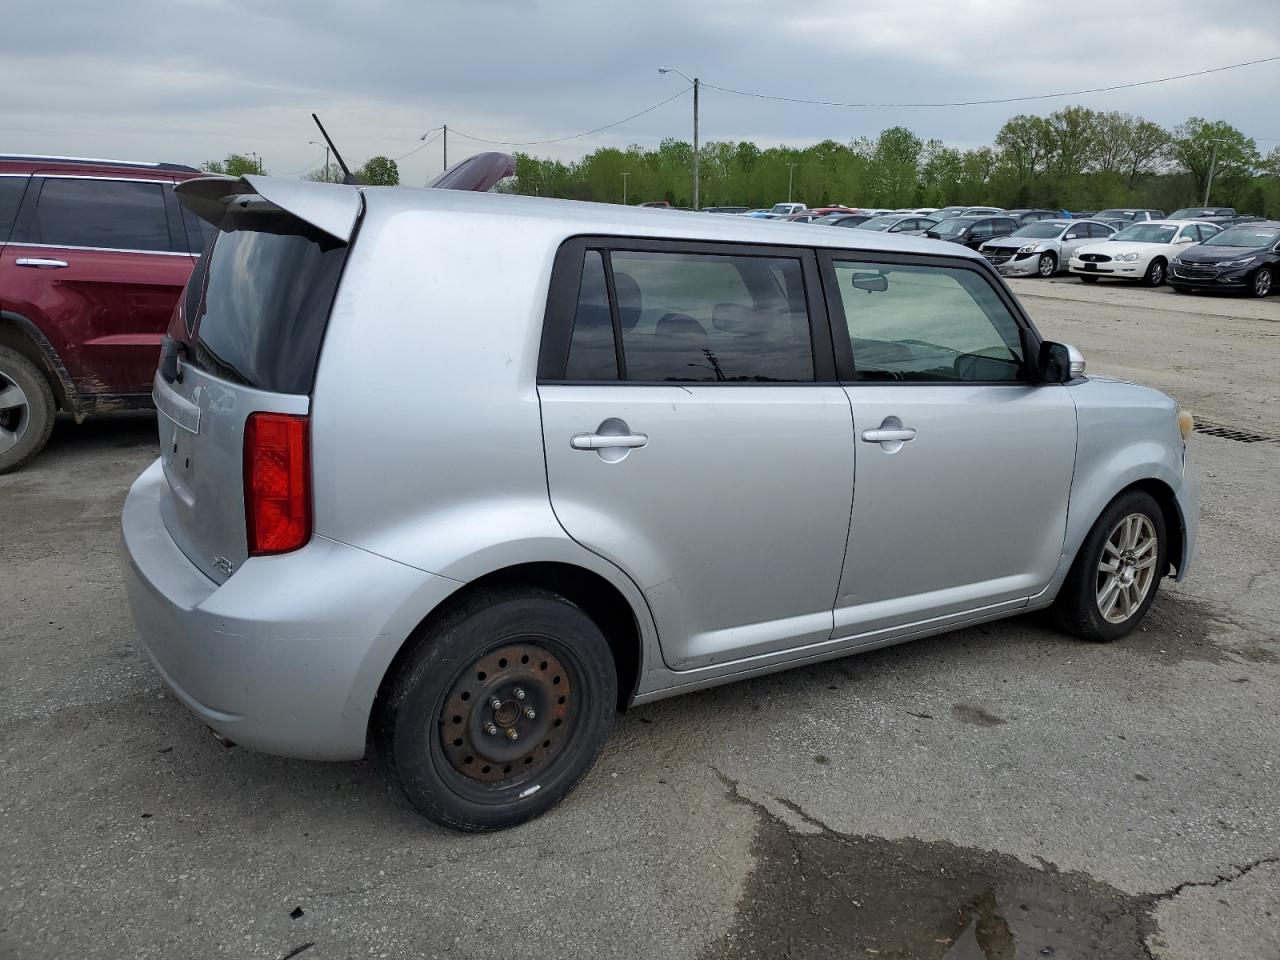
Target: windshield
1247	237
879	223
1147	233
1197	213
1039	231
785	208
950	227
1113	215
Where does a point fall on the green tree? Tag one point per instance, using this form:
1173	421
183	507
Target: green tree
379	171
235	165
1199	145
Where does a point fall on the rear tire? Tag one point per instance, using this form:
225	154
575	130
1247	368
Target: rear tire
1261	283
1155	273
26	409
1047	266
471	765
1117	572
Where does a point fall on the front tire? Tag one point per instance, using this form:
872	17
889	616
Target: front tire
1117	572
1155	273
500	710
1047	266
1261	283
26	410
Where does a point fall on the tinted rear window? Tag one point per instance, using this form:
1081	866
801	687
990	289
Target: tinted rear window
103	214
11	190
268	286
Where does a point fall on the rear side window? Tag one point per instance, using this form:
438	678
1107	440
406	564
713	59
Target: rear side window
268	284
11	190
591	350
103	214
710	318
927	324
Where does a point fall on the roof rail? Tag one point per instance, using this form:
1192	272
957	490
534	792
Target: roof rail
97	160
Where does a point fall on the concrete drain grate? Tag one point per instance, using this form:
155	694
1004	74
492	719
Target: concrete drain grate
1233	433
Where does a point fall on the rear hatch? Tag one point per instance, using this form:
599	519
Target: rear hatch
244	339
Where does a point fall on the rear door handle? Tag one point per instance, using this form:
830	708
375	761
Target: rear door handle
596	441
888	436
40	262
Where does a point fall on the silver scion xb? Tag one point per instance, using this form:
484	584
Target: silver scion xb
453	477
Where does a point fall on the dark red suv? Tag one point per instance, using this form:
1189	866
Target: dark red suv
93	257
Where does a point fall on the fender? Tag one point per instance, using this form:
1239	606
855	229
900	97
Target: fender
65	388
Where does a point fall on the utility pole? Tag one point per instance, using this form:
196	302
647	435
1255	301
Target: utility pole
1212	163
446	146
326	157
624	188
791	173
696	84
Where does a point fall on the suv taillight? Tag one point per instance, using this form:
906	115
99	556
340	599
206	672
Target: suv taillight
277	483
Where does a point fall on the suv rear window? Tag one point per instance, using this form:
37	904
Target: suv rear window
267	285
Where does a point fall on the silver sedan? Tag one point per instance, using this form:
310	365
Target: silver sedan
1042	248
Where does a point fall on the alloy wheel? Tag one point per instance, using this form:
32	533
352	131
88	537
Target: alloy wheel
1048	265
1262	283
1127	568
15	413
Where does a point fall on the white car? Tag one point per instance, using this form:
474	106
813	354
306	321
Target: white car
1140	252
787	209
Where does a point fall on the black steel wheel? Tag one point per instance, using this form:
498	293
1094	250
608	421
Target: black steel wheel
500	710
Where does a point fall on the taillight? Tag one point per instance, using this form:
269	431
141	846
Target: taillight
277	483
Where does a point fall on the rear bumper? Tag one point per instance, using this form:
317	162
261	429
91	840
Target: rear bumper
286	656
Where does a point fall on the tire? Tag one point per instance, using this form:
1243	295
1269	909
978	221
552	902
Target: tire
1084	279
1261	283
26	410
1085	606
532	652
1155	273
1047	266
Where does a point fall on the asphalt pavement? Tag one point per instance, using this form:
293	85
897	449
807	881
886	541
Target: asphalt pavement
999	792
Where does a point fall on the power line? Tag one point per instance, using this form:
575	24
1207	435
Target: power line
421	146
574	136
974	103
294	173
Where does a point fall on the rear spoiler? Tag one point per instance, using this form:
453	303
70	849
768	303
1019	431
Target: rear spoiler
331	207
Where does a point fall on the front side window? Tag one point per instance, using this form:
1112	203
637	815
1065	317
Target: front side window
983	229
710	318
106	214
591	349
927	324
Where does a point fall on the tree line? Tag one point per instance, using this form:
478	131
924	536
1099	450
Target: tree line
376	171
1075	158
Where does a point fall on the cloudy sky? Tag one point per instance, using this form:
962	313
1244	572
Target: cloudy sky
190	80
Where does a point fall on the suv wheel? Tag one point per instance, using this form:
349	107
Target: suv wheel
1261	283
1117	572
26	409
1155	273
1048	265
500	710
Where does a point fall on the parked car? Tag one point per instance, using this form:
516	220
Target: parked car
1084	214
979	211
1042	248
1211	214
759	214
905	223
93	257
824	211
726	209
1031	216
807	216
562	464
658	204
946	213
842	219
973	232
1141	251
1134	215
1243	257
787	209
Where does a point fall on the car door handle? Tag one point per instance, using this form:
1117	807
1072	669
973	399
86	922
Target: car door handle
901	435
40	262
596	441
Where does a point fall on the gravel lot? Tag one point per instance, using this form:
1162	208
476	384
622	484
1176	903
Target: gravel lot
993	793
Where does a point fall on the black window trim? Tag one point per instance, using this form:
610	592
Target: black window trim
17	210
31	199
1029	337
566	278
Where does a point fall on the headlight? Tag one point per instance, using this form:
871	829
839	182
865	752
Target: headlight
1029	248
1186	424
1236	263
1178	261
1127	257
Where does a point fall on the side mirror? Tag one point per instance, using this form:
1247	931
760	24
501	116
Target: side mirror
1185	240
871	282
1060	363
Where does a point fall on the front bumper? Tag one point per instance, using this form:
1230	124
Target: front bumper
1026	266
1236	278
1121	269
287	655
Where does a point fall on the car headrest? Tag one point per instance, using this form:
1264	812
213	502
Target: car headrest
630	303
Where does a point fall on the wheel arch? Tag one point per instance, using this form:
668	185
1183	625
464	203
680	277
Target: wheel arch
19	333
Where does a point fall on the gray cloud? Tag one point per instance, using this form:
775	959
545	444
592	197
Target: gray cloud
189	80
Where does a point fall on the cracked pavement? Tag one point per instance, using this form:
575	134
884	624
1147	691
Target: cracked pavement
991	793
